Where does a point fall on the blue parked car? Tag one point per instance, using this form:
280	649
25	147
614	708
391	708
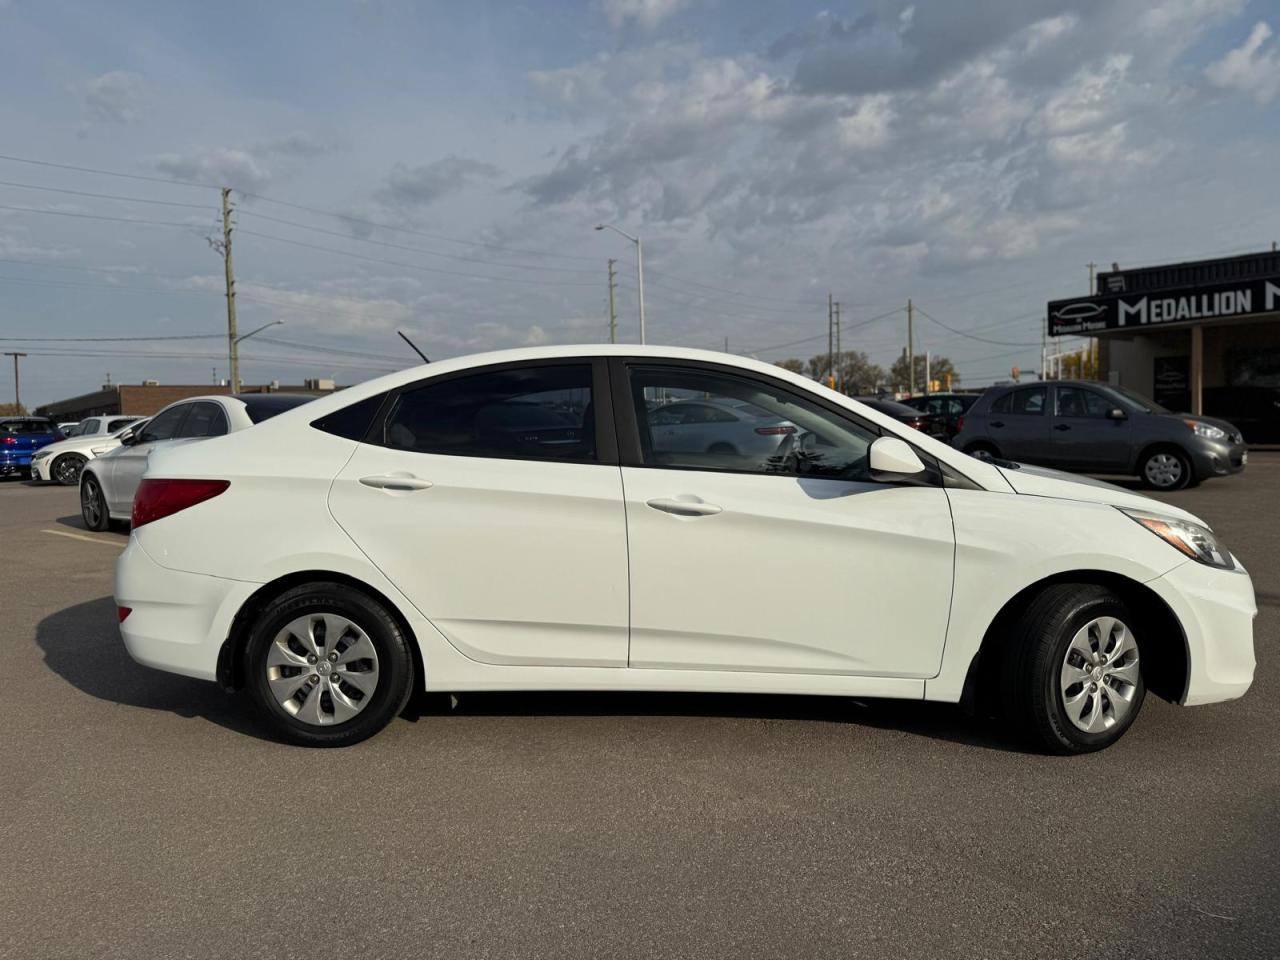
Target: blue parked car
20	437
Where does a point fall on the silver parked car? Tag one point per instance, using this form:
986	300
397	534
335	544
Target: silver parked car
718	427
108	483
1100	428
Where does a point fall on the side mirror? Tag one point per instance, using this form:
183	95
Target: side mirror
893	459
1116	413
129	438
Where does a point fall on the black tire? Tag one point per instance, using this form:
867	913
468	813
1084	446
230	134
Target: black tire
1032	665
1150	476
395	662
93	505
982	450
66	469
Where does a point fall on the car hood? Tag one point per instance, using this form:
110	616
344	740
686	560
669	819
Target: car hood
1043	482
78	444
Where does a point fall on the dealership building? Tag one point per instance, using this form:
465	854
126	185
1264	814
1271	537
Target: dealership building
150	396
1188	335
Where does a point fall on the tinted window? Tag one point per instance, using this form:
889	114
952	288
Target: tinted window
352	422
165	424
119	423
525	413
264	406
206	419
794	437
1075	402
1029	400
90	427
26	426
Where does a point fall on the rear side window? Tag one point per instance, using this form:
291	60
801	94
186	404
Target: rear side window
524	413
264	406
165	424
119	423
1027	401
206	419
352	422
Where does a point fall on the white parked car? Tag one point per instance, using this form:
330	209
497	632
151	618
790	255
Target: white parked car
410	533
108	483
62	461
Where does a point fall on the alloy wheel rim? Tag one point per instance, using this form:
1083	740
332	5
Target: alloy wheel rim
1164	470
68	469
89	502
322	669
1099	676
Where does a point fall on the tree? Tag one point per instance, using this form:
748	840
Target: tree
939	367
12	410
792	364
1082	365
854	370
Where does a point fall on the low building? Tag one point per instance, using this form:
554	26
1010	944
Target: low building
150	397
1175	331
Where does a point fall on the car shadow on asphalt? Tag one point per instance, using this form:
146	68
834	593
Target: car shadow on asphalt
81	645
76	522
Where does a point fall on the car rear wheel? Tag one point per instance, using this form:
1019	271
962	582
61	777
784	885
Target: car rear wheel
1071	678
1166	469
982	451
93	505
328	665
66	469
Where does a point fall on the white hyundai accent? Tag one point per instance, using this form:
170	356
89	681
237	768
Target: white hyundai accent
513	521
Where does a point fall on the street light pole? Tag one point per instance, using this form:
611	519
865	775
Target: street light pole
17	391
639	267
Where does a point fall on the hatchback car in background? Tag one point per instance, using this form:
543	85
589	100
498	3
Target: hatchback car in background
951	407
20	438
63	460
1100	428
933	424
108	483
716	429
334	559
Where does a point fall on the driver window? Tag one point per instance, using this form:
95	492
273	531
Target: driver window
705	420
164	425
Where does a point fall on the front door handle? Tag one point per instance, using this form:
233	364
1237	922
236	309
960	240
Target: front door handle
391	481
1062	426
684	507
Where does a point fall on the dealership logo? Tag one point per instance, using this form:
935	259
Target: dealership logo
1077	312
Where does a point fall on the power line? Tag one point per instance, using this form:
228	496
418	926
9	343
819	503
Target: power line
107	173
969	336
415	266
184	336
93	216
106	196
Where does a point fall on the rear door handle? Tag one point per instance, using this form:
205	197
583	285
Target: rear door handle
997	423
1062	426
681	507
390	481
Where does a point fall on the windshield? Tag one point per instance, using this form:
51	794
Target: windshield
1145	404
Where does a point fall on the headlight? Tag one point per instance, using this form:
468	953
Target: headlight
1192	539
40	454
1206	430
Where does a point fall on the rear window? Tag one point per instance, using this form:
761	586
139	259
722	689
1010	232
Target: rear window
26	426
264	406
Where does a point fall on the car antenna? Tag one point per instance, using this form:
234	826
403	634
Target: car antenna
415	347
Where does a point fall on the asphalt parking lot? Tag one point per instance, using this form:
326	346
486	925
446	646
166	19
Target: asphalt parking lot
146	815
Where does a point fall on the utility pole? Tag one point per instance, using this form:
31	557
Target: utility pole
1092	267
928	374
613	312
911	348
17	391
726	343
839	354
223	246
831	345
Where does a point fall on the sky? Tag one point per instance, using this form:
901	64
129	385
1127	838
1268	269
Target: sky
438	168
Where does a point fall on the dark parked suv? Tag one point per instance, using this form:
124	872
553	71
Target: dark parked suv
1099	428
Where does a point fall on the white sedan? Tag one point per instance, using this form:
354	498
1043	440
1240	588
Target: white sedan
63	460
425	531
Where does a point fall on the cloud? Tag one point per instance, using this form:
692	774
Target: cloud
114	97
219	166
1253	68
646	14
423	185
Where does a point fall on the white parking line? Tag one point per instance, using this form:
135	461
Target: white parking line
81	536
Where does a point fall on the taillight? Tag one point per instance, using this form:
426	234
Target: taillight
775	431
161	498
7	441
123	612
959	424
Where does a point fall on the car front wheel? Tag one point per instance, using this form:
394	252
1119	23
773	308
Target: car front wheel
1072	677
66	469
1166	469
328	665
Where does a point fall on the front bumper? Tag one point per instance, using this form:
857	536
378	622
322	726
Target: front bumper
1216	609
178	621
40	468
1213	458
